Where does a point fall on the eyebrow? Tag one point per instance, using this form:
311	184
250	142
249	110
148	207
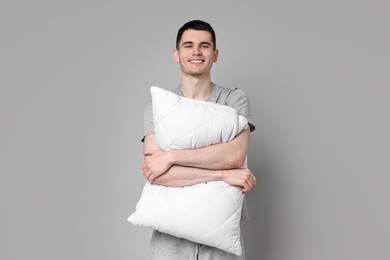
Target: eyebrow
201	43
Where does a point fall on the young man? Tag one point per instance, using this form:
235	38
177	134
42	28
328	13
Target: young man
196	52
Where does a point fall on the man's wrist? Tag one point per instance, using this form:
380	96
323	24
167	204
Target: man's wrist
171	157
221	175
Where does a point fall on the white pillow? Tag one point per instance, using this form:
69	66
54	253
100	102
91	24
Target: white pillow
207	213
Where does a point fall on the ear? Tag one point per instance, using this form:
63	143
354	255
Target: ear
215	55
176	55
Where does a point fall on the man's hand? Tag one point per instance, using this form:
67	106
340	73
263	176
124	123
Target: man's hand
156	163
242	177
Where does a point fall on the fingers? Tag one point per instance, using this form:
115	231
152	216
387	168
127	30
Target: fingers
148	152
244	184
147	171
249	182
149	176
241	177
252	180
146	168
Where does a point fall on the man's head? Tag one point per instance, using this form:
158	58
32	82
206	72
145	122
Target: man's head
195	49
199	26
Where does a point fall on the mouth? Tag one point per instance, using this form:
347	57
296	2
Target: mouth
196	61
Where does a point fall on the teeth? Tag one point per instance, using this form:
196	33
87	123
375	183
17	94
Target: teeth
195	61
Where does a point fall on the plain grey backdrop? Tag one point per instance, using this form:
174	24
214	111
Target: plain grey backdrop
75	76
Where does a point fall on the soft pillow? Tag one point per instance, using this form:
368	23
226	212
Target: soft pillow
207	213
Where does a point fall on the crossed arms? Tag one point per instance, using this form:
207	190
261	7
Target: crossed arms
219	162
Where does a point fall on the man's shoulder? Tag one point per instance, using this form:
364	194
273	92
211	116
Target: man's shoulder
228	93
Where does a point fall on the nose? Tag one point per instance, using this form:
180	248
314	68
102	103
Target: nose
196	50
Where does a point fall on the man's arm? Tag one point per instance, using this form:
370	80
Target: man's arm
179	176
222	156
189	167
228	155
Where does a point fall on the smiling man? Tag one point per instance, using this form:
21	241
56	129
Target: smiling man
196	53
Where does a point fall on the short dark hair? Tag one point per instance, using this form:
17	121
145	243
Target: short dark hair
196	25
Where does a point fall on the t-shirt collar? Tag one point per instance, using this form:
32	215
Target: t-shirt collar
211	98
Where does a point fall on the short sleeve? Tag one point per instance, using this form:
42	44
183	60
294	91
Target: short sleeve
238	100
148	120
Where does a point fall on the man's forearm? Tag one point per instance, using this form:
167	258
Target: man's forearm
220	156
213	163
180	176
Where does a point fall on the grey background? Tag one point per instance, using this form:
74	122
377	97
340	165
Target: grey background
75	77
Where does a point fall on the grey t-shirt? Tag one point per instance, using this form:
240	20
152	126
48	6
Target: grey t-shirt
232	97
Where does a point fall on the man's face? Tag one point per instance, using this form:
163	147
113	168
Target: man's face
196	53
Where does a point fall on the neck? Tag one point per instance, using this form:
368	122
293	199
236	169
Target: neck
196	88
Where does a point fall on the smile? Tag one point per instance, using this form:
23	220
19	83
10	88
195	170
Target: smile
196	61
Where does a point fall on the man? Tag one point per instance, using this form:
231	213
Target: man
196	52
